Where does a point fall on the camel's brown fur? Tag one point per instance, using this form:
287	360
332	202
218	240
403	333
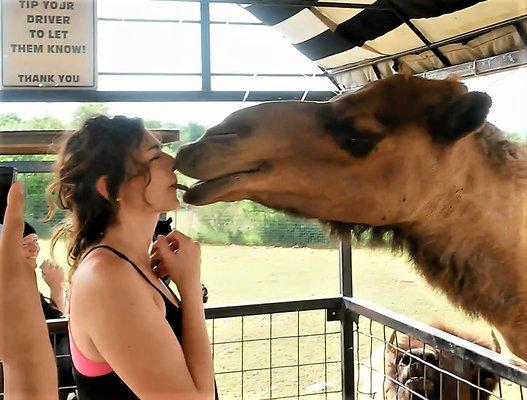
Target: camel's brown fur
406	158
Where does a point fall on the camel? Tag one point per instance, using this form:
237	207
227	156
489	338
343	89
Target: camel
413	366
404	159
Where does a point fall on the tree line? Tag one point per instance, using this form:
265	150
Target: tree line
243	223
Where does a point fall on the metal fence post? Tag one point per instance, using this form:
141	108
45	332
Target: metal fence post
346	329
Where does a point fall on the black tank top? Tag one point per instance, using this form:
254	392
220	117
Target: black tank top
110	386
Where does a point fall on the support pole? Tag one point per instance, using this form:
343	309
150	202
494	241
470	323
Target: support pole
347	346
205	46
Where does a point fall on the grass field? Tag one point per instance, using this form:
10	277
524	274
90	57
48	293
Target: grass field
239	274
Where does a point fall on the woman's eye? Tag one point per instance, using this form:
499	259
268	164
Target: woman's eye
155	158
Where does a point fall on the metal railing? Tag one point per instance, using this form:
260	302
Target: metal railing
399	358
293	349
279	350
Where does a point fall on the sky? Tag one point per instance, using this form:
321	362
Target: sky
174	47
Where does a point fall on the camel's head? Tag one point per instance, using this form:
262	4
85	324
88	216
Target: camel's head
431	373
379	149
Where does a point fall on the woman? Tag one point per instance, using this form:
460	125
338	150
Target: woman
130	336
53	307
52	273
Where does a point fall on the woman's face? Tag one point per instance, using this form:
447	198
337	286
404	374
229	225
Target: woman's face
30	247
161	192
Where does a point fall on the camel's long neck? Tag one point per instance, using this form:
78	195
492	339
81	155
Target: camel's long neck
470	239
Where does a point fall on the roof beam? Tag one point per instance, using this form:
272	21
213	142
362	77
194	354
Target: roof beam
47	141
437	44
97	96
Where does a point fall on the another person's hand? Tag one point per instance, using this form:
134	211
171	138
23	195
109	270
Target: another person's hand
179	257
52	273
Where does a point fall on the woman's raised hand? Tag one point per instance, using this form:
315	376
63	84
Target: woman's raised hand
179	257
52	273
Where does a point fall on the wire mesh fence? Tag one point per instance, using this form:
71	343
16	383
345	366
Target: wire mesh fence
277	355
293	350
411	364
286	350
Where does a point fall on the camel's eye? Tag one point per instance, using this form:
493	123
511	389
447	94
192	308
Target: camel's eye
355	142
360	144
405	360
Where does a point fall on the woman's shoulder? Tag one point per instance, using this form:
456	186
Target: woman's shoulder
102	269
105	284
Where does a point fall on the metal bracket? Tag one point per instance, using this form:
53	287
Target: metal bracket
333	314
338	314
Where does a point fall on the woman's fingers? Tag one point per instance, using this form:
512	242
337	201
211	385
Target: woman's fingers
174	246
154	259
160	271
177	237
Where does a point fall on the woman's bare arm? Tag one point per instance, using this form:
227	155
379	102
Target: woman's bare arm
196	344
30	370
53	275
131	333
179	256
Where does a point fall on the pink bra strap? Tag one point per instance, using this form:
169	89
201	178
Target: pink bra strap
83	365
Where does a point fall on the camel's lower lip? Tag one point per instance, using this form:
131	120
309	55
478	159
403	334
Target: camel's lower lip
226	176
414	379
209	191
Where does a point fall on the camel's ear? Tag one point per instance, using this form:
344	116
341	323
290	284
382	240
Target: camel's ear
393	339
453	77
495	343
460	117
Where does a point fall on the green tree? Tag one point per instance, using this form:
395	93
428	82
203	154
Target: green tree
152	124
86	111
35	185
45	122
13	121
192	131
10	121
36	208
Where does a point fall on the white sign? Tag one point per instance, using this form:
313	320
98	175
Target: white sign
48	44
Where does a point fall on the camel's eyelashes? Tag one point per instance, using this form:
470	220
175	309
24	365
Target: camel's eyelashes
357	143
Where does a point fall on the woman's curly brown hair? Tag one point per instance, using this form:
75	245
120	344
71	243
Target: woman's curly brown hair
103	146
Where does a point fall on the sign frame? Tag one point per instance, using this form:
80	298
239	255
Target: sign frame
51	87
